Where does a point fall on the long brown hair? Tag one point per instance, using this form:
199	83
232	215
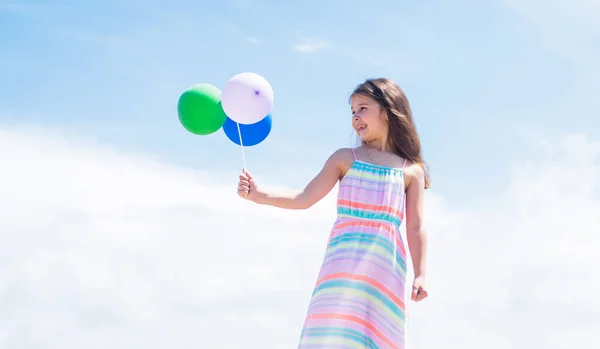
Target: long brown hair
403	137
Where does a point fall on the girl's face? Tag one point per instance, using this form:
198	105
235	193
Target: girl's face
369	120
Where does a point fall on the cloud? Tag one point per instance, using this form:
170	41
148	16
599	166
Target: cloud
105	249
253	40
521	273
373	57
118	250
311	45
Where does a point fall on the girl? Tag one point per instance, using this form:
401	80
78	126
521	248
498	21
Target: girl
358	300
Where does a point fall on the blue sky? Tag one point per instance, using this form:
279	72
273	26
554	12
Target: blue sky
123	230
478	74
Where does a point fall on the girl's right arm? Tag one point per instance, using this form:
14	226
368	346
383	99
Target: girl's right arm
318	188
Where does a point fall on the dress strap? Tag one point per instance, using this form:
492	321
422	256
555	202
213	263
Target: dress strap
353	153
404	163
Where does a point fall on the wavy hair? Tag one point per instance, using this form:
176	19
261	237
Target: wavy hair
403	137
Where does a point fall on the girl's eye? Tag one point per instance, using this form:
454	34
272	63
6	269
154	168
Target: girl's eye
361	109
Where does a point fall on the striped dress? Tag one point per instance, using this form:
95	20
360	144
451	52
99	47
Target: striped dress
358	301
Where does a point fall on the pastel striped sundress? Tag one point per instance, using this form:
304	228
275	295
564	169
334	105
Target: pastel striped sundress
358	301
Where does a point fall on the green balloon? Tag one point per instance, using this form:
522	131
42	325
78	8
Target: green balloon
199	109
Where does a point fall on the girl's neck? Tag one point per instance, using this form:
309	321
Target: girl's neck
378	145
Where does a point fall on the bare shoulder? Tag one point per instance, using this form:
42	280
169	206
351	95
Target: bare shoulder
342	159
343	154
414	174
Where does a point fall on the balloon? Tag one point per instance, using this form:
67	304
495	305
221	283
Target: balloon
247	98
200	111
252	134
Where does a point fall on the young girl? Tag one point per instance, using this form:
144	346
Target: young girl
358	300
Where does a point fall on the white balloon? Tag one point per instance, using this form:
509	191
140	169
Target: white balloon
247	98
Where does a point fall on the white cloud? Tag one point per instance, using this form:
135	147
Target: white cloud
102	249
311	45
528	267
373	57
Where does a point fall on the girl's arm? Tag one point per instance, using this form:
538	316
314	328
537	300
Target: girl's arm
318	187
415	232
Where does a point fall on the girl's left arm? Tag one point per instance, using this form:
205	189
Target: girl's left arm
415	231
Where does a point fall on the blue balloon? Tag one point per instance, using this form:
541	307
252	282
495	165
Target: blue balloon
252	134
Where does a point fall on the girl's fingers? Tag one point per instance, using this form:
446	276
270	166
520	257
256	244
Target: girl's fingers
414	294
244	184
421	294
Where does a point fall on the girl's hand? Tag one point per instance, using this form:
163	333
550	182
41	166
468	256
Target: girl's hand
322	184
247	187
419	289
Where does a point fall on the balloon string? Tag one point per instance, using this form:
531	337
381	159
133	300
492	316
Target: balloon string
242	144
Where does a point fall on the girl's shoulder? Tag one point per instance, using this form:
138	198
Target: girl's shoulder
342	158
344	154
413	172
